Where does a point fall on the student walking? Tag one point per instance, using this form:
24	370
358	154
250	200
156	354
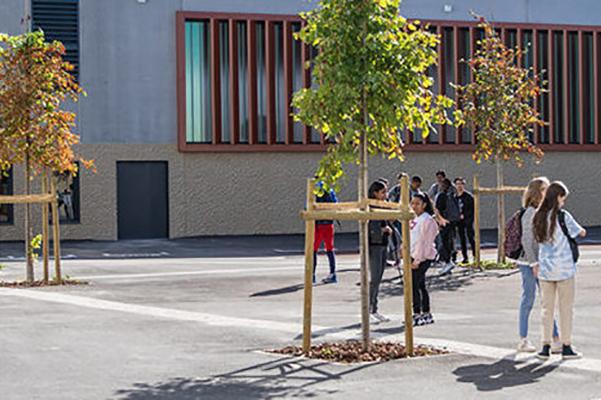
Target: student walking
532	198
448	216
424	230
380	233
465	226
324	232
555	230
437	186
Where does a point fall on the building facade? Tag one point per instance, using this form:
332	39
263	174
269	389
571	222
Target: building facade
187	111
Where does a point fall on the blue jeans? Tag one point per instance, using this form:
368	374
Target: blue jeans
529	286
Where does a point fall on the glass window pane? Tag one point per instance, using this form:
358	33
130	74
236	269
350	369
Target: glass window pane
242	81
574	92
6	188
315	135
198	83
67	191
297	78
435	88
224	74
261	83
449	75
589	92
543	66
464	73
280	90
558	95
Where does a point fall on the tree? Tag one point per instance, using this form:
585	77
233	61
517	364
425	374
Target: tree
500	105
35	131
370	83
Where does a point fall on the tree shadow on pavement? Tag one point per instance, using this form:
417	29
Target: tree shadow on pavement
289	377
503	373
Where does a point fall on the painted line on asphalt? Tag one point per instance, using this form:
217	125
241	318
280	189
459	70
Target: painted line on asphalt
167	313
471	349
185	273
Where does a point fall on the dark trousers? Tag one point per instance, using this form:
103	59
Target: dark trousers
446	242
466	229
421	298
377	262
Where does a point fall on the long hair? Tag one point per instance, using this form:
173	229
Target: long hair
534	192
544	227
426	200
375	187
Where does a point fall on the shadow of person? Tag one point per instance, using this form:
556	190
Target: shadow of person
504	373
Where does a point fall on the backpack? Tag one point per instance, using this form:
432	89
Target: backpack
561	217
452	211
513	235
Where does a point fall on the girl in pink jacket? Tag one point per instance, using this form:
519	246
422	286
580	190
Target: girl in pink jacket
424	230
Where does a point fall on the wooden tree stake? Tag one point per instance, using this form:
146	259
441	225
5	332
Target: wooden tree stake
45	230
56	233
407	270
477	220
309	239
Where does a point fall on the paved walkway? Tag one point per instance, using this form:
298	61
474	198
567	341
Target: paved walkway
196	328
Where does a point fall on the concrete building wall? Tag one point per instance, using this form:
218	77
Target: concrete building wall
127	57
253	193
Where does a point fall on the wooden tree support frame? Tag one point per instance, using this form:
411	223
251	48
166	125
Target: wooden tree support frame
479	191
47	197
361	210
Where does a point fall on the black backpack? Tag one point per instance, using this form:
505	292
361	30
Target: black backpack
453	212
561	217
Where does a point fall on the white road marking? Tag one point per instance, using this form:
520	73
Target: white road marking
586	364
209	319
185	273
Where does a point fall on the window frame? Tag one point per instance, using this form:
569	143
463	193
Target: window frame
441	145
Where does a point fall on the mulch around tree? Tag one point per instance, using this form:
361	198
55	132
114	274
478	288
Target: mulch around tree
351	351
41	283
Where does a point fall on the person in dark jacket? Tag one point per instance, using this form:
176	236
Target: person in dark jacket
324	232
448	216
380	233
465	227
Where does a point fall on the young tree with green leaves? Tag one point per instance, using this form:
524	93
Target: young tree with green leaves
500	105
370	83
35	131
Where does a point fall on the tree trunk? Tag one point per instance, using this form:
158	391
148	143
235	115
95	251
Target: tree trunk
363	233
28	228
500	213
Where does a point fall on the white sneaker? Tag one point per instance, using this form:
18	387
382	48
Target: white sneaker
377	317
448	267
525	346
556	348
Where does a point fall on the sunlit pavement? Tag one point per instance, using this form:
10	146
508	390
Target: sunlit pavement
195	328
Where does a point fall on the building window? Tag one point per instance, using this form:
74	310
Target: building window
237	74
59	19
67	191
6	188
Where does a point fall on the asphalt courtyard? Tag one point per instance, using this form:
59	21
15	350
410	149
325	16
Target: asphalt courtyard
196	328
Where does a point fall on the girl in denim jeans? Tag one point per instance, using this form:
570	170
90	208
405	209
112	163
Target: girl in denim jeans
530	201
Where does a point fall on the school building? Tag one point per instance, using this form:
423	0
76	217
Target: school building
188	119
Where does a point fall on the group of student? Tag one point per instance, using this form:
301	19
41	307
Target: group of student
547	258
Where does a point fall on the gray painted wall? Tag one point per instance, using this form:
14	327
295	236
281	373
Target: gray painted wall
128	52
